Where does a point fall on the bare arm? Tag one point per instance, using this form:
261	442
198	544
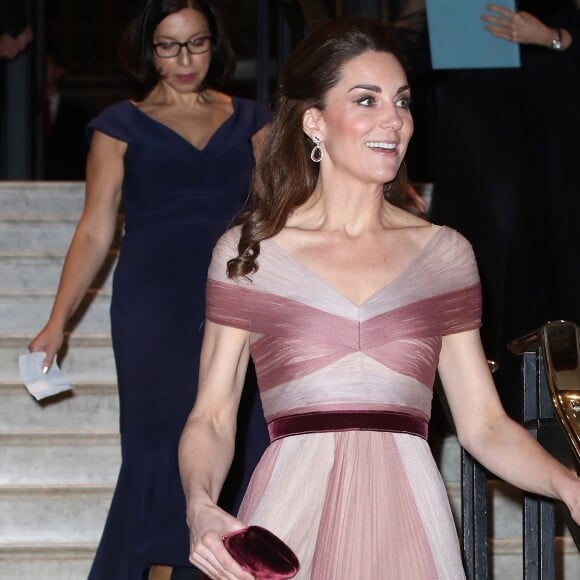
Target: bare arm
206	447
91	241
484	429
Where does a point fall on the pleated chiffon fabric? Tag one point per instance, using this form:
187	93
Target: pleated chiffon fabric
354	503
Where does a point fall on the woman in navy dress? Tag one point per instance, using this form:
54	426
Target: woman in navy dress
178	162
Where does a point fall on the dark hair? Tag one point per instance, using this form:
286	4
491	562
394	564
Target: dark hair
285	176
136	47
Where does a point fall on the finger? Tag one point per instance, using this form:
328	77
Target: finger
48	358
213	556
494	20
500	10
499	32
208	562
207	570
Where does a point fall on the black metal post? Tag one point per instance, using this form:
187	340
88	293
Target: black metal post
539	513
474	517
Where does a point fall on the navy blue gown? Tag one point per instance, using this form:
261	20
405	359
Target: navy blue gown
177	200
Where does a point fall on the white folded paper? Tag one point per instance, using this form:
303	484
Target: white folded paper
41	385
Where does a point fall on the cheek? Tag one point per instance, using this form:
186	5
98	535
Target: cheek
410	130
409	124
161	66
348	127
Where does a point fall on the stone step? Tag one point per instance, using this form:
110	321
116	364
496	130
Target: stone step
39	199
34	271
27	313
72	561
58	561
48	234
76	458
447	454
69	509
56	513
506	559
53	235
91	408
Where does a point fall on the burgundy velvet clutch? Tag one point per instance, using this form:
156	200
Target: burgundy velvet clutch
261	553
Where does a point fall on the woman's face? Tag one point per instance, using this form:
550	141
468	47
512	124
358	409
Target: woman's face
366	124
185	71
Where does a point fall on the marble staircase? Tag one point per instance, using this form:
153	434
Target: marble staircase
59	460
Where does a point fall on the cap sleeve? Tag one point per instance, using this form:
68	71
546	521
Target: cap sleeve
254	115
114	121
461	305
228	301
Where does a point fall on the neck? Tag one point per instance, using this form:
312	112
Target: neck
164	94
350	208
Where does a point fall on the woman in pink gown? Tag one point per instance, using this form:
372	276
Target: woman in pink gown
348	305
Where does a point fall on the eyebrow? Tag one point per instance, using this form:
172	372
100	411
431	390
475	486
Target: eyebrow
191	37
377	89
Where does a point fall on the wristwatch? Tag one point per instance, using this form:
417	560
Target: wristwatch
557	42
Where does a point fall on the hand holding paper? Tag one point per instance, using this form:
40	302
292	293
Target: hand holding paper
458	39
517	26
41	385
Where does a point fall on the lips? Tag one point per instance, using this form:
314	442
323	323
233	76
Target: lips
186	78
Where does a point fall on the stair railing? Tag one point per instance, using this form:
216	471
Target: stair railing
550	374
551	380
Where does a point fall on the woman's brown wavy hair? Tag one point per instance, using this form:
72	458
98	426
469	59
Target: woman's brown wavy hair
285	176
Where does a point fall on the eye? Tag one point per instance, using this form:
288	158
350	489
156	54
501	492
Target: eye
366	100
404	102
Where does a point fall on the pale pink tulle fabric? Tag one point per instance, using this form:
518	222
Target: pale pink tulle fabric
354	505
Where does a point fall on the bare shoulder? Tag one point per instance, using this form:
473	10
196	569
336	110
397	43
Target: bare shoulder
219	101
416	230
219	98
399	217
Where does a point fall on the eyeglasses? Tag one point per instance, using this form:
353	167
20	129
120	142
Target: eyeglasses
172	49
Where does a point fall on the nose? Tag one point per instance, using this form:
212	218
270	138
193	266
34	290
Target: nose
391	118
184	56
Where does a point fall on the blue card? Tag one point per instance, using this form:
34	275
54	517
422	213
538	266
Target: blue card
458	39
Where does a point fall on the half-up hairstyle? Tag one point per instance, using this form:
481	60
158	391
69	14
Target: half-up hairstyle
285	176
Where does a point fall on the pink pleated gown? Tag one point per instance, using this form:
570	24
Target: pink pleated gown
354	504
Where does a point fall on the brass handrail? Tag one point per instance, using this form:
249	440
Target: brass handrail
560	341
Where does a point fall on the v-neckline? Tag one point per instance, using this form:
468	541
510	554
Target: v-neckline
376	292
180	136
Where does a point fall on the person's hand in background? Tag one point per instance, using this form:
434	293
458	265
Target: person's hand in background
522	27
11	46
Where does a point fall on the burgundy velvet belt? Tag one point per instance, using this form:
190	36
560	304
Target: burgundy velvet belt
319	422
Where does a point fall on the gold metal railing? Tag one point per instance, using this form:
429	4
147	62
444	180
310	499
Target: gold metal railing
560	342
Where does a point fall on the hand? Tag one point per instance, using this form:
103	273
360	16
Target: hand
521	27
49	340
207	550
11	46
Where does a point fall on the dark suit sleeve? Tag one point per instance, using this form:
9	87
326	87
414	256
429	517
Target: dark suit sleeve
13	17
569	19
